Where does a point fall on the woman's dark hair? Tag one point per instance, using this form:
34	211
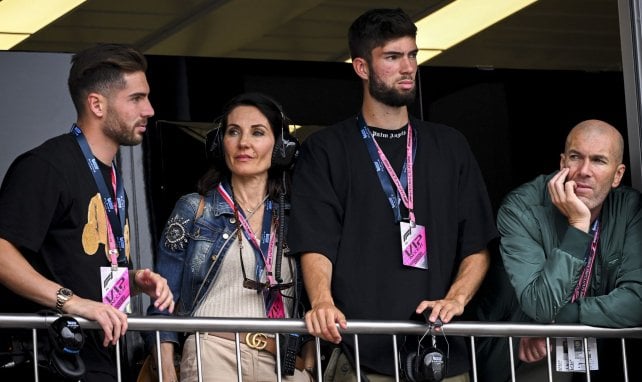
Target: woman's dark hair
278	178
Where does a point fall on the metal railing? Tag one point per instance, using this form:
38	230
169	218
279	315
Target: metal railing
355	327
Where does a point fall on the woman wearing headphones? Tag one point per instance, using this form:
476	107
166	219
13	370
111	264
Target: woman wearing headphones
222	248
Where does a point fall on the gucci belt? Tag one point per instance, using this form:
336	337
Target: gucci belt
257	341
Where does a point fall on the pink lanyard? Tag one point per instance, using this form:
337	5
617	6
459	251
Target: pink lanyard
113	249
408	200
249	234
585	277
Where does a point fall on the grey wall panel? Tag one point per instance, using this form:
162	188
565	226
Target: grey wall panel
34	101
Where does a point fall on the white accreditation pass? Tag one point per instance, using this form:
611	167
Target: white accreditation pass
569	354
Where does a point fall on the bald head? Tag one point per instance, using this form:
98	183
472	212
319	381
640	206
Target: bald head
601	130
593	157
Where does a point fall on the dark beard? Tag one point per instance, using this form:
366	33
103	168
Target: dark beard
389	96
124	138
116	130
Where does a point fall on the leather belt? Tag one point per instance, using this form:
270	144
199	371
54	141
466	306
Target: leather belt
258	341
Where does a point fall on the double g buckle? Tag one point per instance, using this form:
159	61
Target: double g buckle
256	341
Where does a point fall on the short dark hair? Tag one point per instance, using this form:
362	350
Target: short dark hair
376	27
273	112
100	68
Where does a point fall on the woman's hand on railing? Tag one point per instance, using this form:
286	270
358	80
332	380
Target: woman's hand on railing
155	286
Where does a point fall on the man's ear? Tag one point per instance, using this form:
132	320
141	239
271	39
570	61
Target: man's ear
96	104
360	67
619	173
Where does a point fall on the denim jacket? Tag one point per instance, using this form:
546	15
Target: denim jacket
190	253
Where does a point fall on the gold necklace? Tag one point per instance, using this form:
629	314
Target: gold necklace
251	210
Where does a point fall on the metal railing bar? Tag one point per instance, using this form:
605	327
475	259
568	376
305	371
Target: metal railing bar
511	353
239	371
159	361
34	337
462	328
473	353
118	368
587	366
278	357
357	358
199	360
317	349
357	327
396	356
624	361
549	359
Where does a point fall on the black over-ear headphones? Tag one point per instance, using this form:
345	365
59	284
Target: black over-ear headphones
426	364
66	339
286	146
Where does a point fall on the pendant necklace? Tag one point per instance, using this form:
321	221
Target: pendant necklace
251	211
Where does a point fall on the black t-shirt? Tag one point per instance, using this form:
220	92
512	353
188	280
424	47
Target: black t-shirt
339	209
50	209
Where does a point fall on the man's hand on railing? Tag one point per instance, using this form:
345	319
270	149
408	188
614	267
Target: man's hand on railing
444	309
111	320
532	349
321	321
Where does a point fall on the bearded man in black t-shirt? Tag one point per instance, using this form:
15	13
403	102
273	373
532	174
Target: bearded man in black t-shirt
63	210
390	214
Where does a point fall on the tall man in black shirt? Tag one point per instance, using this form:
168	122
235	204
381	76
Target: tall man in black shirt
390	214
64	231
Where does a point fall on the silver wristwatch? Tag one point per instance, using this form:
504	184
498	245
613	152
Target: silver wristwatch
64	294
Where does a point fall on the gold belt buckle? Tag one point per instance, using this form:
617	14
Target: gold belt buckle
256	341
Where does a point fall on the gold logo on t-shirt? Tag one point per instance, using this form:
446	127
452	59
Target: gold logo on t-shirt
95	231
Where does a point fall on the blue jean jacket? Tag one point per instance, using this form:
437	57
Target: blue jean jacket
190	252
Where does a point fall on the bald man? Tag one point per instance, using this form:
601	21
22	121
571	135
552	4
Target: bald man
571	241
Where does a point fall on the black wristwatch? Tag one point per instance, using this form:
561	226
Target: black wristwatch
64	294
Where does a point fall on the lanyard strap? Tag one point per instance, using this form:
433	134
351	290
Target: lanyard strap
263	249
402	182
583	283
115	211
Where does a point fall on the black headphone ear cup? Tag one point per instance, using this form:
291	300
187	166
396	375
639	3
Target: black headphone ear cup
285	152
66	335
431	364
70	366
66	339
410	366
